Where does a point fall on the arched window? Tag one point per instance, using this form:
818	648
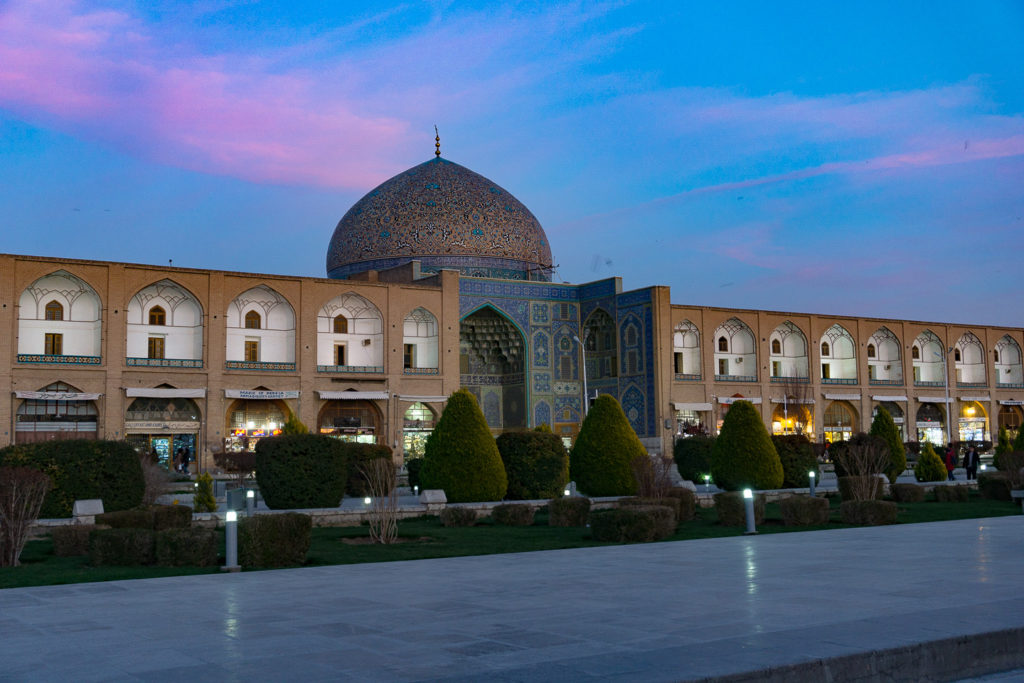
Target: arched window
776	346
723	344
252	320
824	348
915	353
996	354
54	311
340	324
157	316
956	355
871	350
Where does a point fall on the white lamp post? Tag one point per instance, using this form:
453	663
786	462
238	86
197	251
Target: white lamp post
583	372
945	382
231	542
810	478
748	503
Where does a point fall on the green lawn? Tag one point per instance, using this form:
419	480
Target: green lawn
428	539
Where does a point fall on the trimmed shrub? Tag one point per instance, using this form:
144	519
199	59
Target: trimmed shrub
600	461
869	487
693	457
569	511
71	540
952	494
81	469
671	503
180	547
412	468
1018	441
687	502
796	453
203	500
274	540
639	524
929	465
804	511
139	518
357	456
1011	463
122	547
743	455
870	512
461	456
458	516
732	510
884	428
513	515
536	463
301	471
907	493
994	485
1003	445
171	517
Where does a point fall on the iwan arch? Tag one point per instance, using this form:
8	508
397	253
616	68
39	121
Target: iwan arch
440	279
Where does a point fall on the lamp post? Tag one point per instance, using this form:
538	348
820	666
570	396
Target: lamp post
748	504
945	382
230	542
583	372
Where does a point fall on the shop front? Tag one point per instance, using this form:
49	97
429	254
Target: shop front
164	421
726	402
973	420
352	416
931	422
417	424
1011	416
692	419
840	421
791	416
254	415
58	411
891	404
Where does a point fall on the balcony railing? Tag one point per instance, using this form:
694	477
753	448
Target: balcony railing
971	385
687	377
58	360
886	382
351	369
923	383
1009	385
790	380
838	380
735	378
163	363
252	365
420	371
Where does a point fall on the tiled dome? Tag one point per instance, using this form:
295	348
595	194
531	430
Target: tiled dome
445	216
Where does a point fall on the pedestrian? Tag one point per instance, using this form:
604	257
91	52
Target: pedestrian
178	455
186	457
971	462
950	463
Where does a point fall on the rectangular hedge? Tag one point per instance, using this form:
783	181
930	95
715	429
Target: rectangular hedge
280	540
186	547
951	494
732	509
804	511
907	493
156	517
687	502
71	540
513	515
568	511
638	524
122	547
868	512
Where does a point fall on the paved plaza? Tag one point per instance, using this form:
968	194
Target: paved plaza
654	612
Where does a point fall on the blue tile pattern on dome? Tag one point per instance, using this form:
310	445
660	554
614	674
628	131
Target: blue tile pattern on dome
443	215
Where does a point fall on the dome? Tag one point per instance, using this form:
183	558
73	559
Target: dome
444	216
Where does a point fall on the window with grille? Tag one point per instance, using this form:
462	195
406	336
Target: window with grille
871	350
723	344
156	347
915	353
54	344
340	325
157	316
54	311
776	347
252	320
408	355
824	349
723	366
565	368
252	351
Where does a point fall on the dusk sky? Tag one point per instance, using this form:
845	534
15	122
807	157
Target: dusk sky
847	158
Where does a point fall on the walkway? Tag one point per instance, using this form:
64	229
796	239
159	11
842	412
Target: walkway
664	611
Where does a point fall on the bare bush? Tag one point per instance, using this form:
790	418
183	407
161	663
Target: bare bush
382	517
653	474
241	465
22	490
155	478
863	458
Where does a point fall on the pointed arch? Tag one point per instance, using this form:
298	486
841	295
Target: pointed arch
969	360
350	335
838	356
493	364
272	344
788	352
60	314
735	355
929	360
885	363
420	342
686	350
1008	367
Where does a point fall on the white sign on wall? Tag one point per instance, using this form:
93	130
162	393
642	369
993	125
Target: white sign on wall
259	395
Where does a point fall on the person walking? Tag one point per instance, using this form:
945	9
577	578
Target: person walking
971	463
950	463
186	458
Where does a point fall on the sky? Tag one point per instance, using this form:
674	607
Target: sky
840	158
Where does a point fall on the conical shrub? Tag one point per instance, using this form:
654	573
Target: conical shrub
461	456
1003	445
600	459
929	465
744	455
884	428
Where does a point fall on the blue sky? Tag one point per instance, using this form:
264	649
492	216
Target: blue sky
848	158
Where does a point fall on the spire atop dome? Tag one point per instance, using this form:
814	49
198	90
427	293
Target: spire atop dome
437	142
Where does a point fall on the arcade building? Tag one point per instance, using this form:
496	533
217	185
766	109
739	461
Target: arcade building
440	279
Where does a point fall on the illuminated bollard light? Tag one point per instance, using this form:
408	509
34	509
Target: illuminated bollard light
367	500
748	503
569	490
810	476
707	483
250	503
416	490
231	542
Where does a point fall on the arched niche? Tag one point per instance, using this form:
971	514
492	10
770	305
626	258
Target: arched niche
75	336
735	352
164	322
492	363
273	343
885	364
838	356
686	350
420	342
350	335
787	352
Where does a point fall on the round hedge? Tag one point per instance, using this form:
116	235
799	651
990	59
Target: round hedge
81	469
693	457
884	428
461	456
356	456
298	471
600	459
536	464
744	455
796	453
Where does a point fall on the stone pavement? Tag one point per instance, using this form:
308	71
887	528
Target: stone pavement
654	612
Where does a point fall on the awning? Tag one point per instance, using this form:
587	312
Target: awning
354	395
259	395
979	399
794	401
56	395
420	399
890	398
843	397
165	393
698	407
934	399
728	400
1011	403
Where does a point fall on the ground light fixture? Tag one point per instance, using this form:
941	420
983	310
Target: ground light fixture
416	489
707	483
367	500
250	503
748	504
231	542
810	478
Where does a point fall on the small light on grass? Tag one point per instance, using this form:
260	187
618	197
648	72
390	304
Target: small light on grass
367	501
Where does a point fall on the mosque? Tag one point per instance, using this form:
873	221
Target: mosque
439	279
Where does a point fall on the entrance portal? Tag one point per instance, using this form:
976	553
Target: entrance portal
492	362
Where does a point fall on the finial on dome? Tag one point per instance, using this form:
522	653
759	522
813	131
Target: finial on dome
437	143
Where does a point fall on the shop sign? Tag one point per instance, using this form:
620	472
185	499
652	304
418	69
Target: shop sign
157	426
929	425
260	395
